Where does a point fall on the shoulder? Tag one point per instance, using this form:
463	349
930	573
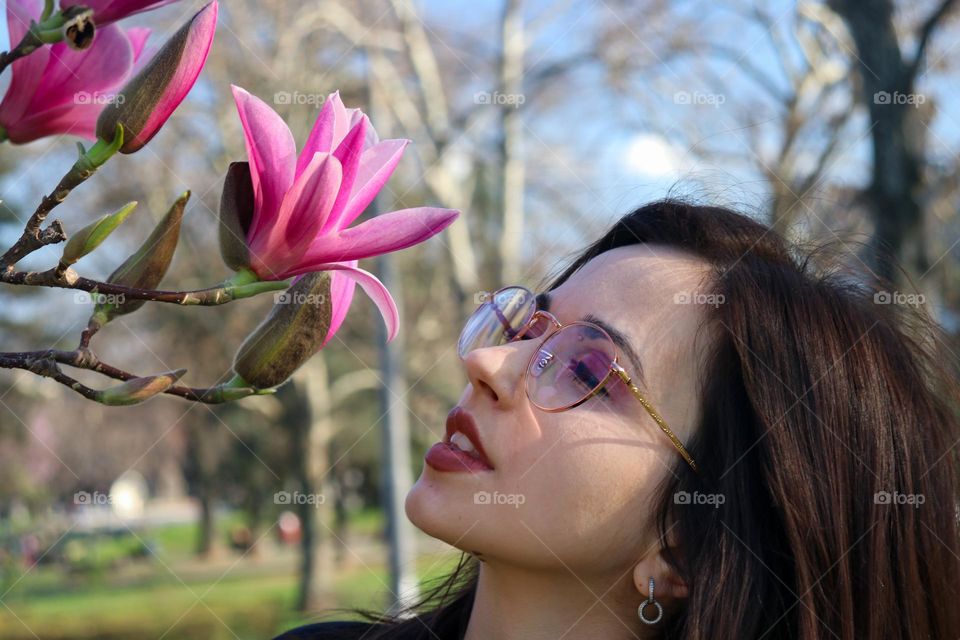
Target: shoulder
338	630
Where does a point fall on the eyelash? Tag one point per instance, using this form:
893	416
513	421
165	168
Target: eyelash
602	393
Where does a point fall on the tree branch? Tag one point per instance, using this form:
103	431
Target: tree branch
210	296
926	32
45	363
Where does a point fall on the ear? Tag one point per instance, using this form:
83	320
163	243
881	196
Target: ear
668	585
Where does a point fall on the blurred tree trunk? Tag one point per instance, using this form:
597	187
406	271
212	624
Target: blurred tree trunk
511	140
205	533
308	414
888	85
201	462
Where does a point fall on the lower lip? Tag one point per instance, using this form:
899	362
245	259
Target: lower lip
445	457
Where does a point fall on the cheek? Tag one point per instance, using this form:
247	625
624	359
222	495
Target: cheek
588	492
576	492
591	476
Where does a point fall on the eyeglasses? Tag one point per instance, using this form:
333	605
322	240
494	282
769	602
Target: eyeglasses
573	363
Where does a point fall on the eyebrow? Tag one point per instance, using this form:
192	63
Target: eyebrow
619	338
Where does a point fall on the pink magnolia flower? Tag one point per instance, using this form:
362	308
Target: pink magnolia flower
107	11
303	204
56	90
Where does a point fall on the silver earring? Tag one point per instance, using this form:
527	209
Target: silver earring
643	605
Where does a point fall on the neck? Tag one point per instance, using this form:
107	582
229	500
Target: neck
514	603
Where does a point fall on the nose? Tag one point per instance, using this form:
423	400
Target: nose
496	373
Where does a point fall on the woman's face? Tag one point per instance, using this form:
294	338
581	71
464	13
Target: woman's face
573	489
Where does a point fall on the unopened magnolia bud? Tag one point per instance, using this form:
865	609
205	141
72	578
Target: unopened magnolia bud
290	335
137	390
236	212
89	238
147	101
146	268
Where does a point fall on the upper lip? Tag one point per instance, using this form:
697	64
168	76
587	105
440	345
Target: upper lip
459	420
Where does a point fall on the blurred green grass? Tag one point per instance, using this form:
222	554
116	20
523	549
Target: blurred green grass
171	595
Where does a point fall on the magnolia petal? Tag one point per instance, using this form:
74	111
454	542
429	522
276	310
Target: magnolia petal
27	72
272	154
349	153
105	11
19	15
376	166
320	138
385	233
78	77
138	38
65	119
341	295
344	119
304	209
374	289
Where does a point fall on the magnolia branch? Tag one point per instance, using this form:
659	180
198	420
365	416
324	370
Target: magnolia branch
69	279
33	237
46	363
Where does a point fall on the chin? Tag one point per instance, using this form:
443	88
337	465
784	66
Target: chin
433	508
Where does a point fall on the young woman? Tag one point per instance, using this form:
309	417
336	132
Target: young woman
692	432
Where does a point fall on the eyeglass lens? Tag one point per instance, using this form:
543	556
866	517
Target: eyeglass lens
570	365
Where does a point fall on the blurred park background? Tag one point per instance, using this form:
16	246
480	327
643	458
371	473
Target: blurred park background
542	121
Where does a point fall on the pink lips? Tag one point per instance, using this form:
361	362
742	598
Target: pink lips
443	456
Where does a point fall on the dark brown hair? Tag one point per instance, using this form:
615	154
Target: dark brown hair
829	425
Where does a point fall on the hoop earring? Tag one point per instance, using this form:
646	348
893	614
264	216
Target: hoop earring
643	605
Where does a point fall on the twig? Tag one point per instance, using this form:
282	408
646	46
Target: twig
33	237
211	296
44	363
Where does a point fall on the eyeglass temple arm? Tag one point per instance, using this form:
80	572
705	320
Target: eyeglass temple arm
503	321
656	417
